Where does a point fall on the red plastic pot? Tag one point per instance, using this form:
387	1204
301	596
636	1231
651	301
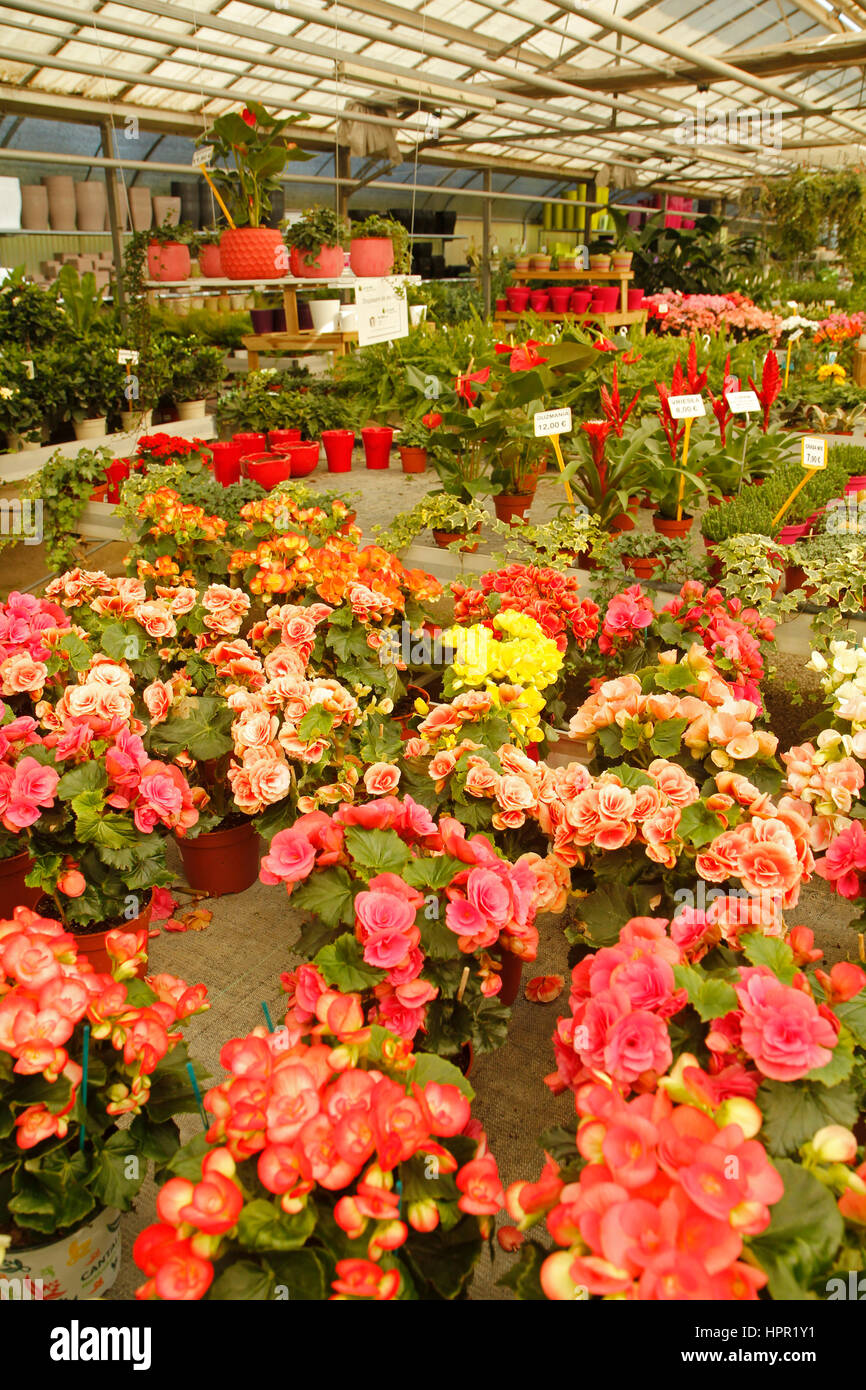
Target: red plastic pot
623	521
377	445
414	460
168	261
371	255
502	303
267	469
327	263
641	566
635	298
13	890
790	534
445	538
253	253
224	861
227	461
856	483
538	301
253	441
92	944
304	458
560	295
338	449
278	439
606	298
669	526
116	472
210	262
518	298
579	302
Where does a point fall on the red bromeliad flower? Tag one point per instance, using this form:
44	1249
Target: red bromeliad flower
695	380
612	407
771	385
673	429
463	384
724	415
598	431
630	358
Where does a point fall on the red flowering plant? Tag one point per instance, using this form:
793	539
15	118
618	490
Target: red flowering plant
37	645
428	914
135	1065
338	1166
607	465
716	1053
157	449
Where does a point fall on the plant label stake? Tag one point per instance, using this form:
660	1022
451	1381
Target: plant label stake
84	1069
198	1095
686	408
742	403
550	424
464	981
791	341
267	1015
201	159
813	456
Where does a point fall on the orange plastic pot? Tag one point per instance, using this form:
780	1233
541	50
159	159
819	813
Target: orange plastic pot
168	261
371	255
510	505
252	253
223	861
414	460
669	526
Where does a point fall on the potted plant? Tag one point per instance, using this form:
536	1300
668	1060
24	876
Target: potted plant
67	1169
397	1219
315	244
63	486
168	251
379	245
252	149
209	259
94	385
195	371
751	568
642	555
412	443
606	471
450	518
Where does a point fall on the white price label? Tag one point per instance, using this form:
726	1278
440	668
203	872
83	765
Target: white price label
814	453
686	407
202	158
741	402
552	421
795	336
125	355
27	364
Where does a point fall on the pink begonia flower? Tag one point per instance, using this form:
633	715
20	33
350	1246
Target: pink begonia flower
32	786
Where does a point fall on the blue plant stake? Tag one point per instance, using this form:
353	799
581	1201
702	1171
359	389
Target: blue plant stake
268	1018
398	1188
198	1095
84	1064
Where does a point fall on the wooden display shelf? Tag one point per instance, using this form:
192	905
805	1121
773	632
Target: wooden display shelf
622	278
615	319
306	340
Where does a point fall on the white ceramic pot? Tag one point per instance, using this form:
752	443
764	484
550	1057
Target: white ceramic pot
132	420
191	410
97	428
326	315
34	207
83	1265
348	318
90	202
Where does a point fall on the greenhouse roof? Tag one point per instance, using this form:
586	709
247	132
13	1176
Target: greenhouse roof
642	94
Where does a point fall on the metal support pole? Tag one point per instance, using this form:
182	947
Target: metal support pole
485	241
114	215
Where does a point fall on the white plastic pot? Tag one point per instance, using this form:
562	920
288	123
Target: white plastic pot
82	1265
417	314
349	318
326	315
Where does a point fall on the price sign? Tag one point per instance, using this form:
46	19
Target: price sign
814	453
382	312
686	407
203	157
795	336
125	355
741	402
549	422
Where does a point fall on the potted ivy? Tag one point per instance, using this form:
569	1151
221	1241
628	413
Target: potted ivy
643	554
315	244
450	518
251	150
379	245
67	1169
168	251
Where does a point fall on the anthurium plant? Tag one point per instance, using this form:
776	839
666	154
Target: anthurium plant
63	1156
383	1188
253	150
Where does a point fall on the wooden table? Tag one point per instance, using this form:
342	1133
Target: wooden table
589	277
302	340
615	319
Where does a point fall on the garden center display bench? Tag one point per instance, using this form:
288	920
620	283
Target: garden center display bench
606	319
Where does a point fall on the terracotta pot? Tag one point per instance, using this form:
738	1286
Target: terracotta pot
413	459
191	410
223	861
95	428
13	890
166	210
80	1264
795	580
641	566
338	449
90	204
168	261
377	445
226	461
445	538
327	263
372	255
512	968
92	944
140	208
507	506
267	470
621	522
253	253
669	526
61	201
210	262
34	207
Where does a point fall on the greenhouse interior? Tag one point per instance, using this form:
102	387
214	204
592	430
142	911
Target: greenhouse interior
433	585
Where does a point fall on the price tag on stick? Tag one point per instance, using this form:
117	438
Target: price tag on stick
686	407
202	158
550	424
125	356
813	456
742	402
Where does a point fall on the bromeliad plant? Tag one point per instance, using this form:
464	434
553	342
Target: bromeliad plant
50	1182
410	912
372	1183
